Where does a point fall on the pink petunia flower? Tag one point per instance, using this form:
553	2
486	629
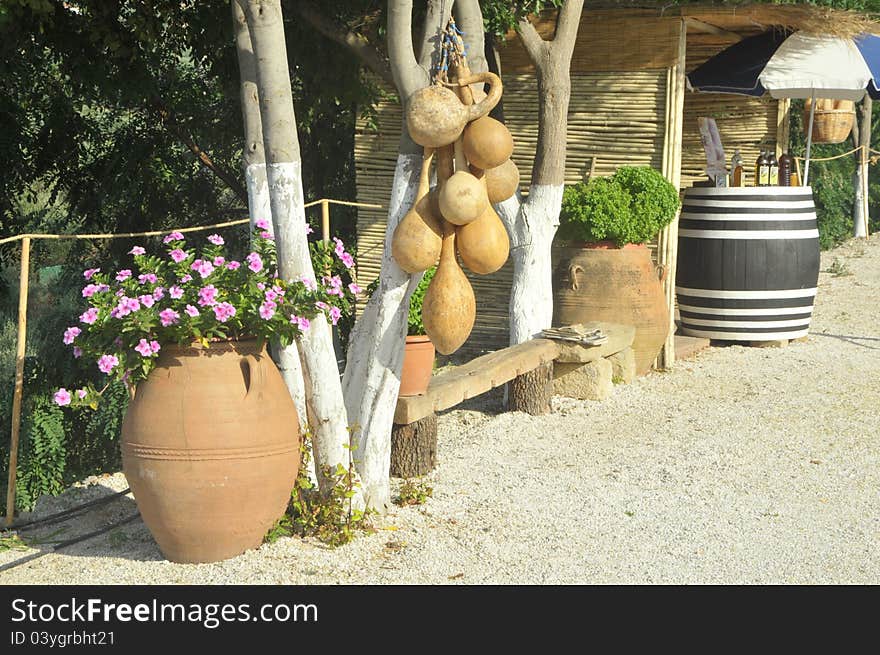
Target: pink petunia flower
186	278
207	295
147	300
89	272
224	311
143	278
77	352
267	310
354	288
158	293
192	311
233	265
267	235
168	317
203	268
255	262
261	224
107	363
271	295
154	346
70	334
216	239
178	255
309	229
174	236
90	290
137	250
335	315
301	322
219	261
81	393
347	259
123	275
143	348
309	284
322	305
89	316
261	286
175	292
340	248
62	397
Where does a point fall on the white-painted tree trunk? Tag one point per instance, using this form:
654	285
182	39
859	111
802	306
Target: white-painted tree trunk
287	359
375	353
531	225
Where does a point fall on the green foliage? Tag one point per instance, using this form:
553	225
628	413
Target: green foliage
414	325
413	492
329	517
631	206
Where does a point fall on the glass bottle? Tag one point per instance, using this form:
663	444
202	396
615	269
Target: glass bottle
736	169
773	170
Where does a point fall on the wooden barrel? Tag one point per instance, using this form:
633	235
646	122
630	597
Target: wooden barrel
748	262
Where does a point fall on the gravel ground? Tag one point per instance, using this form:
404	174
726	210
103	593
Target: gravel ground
744	465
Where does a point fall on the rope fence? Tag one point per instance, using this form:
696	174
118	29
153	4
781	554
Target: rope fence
24	282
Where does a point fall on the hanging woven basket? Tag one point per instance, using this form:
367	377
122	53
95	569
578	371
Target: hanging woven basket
833	120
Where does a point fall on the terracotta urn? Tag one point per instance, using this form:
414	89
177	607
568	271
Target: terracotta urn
601	282
210	447
418	364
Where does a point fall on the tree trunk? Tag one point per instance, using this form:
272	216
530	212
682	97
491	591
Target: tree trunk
532	223
254	161
414	448
326	409
531	392
862	137
375	352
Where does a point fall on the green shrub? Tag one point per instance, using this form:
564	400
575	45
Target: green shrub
414	325
631	206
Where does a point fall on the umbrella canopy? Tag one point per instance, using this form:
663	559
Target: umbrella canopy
794	65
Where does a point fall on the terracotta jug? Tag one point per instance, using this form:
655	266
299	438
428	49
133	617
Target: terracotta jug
210	448
418	237
449	308
600	282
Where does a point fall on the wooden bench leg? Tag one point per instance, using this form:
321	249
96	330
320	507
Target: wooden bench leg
531	392
414	448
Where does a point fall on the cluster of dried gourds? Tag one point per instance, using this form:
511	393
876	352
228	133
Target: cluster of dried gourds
474	170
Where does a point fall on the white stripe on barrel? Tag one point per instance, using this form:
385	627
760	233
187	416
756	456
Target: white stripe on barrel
748	262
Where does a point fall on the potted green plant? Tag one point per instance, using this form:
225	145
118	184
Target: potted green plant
210	440
418	353
602	266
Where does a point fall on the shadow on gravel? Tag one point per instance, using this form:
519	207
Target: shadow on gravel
849	338
113	529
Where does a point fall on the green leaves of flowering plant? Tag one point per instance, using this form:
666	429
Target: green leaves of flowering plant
194	296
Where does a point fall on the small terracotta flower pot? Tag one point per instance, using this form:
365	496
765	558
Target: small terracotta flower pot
418	363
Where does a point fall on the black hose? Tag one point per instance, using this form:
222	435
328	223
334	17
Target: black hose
68	513
69	542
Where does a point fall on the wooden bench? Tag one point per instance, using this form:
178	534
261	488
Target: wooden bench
528	367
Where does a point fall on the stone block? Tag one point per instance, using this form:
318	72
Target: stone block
623	366
590	381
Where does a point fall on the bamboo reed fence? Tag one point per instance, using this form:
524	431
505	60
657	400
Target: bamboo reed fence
24	282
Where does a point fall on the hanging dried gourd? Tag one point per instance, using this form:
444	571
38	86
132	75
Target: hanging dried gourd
483	244
418	238
463	198
487	143
501	181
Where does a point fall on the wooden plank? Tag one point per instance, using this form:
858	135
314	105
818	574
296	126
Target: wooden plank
449	388
708	28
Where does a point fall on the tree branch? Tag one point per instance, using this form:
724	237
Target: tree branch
405	69
567	24
169	121
356	43
435	24
470	20
534	44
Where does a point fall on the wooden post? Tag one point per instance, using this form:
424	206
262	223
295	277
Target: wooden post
414	448
19	377
667	243
865	205
783	126
325	220
531	392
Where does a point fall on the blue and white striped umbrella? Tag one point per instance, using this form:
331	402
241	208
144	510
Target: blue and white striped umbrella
794	65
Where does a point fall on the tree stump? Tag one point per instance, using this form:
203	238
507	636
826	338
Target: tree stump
531	391
414	448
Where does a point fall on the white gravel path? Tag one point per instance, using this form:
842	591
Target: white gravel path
744	465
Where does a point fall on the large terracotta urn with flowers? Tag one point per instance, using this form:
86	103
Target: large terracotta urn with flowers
210	448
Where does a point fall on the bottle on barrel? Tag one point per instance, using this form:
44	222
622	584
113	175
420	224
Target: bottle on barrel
762	170
786	164
737	170
773	165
